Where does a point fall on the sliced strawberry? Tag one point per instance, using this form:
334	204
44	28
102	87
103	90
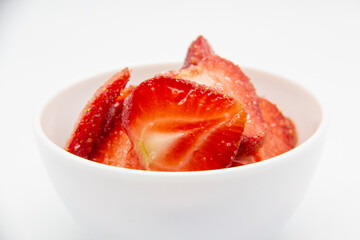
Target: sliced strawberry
245	160
120	100
229	79
116	150
198	50
96	119
178	125
281	136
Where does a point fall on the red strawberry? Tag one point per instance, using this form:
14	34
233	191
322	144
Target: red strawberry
281	136
178	125
116	149
96	120
245	160
198	50
229	79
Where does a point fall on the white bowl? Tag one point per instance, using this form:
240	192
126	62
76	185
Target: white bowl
247	202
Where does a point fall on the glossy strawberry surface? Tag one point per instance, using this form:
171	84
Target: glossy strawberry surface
97	118
204	116
229	79
281	136
178	125
116	149
198	50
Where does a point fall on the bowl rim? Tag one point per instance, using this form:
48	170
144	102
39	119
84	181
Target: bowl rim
41	136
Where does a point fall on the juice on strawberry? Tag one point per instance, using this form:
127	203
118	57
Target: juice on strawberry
203	116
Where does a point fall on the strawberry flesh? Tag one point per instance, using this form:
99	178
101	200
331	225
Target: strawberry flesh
205	116
97	118
198	50
229	79
116	149
179	125
280	138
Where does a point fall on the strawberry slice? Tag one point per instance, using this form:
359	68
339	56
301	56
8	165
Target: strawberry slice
198	50
229	79
116	149
178	125
96	120
245	160
281	136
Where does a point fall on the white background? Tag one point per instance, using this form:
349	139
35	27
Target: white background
45	45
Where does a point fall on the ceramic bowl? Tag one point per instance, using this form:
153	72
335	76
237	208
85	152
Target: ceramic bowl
247	202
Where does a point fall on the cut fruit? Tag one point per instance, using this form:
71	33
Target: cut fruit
229	79
198	50
281	136
178	125
96	119
116	150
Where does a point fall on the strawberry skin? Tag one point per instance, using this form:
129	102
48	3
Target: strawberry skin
96	119
178	125
280	138
116	150
198	50
229	79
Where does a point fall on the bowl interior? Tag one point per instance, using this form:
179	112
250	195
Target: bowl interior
59	115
